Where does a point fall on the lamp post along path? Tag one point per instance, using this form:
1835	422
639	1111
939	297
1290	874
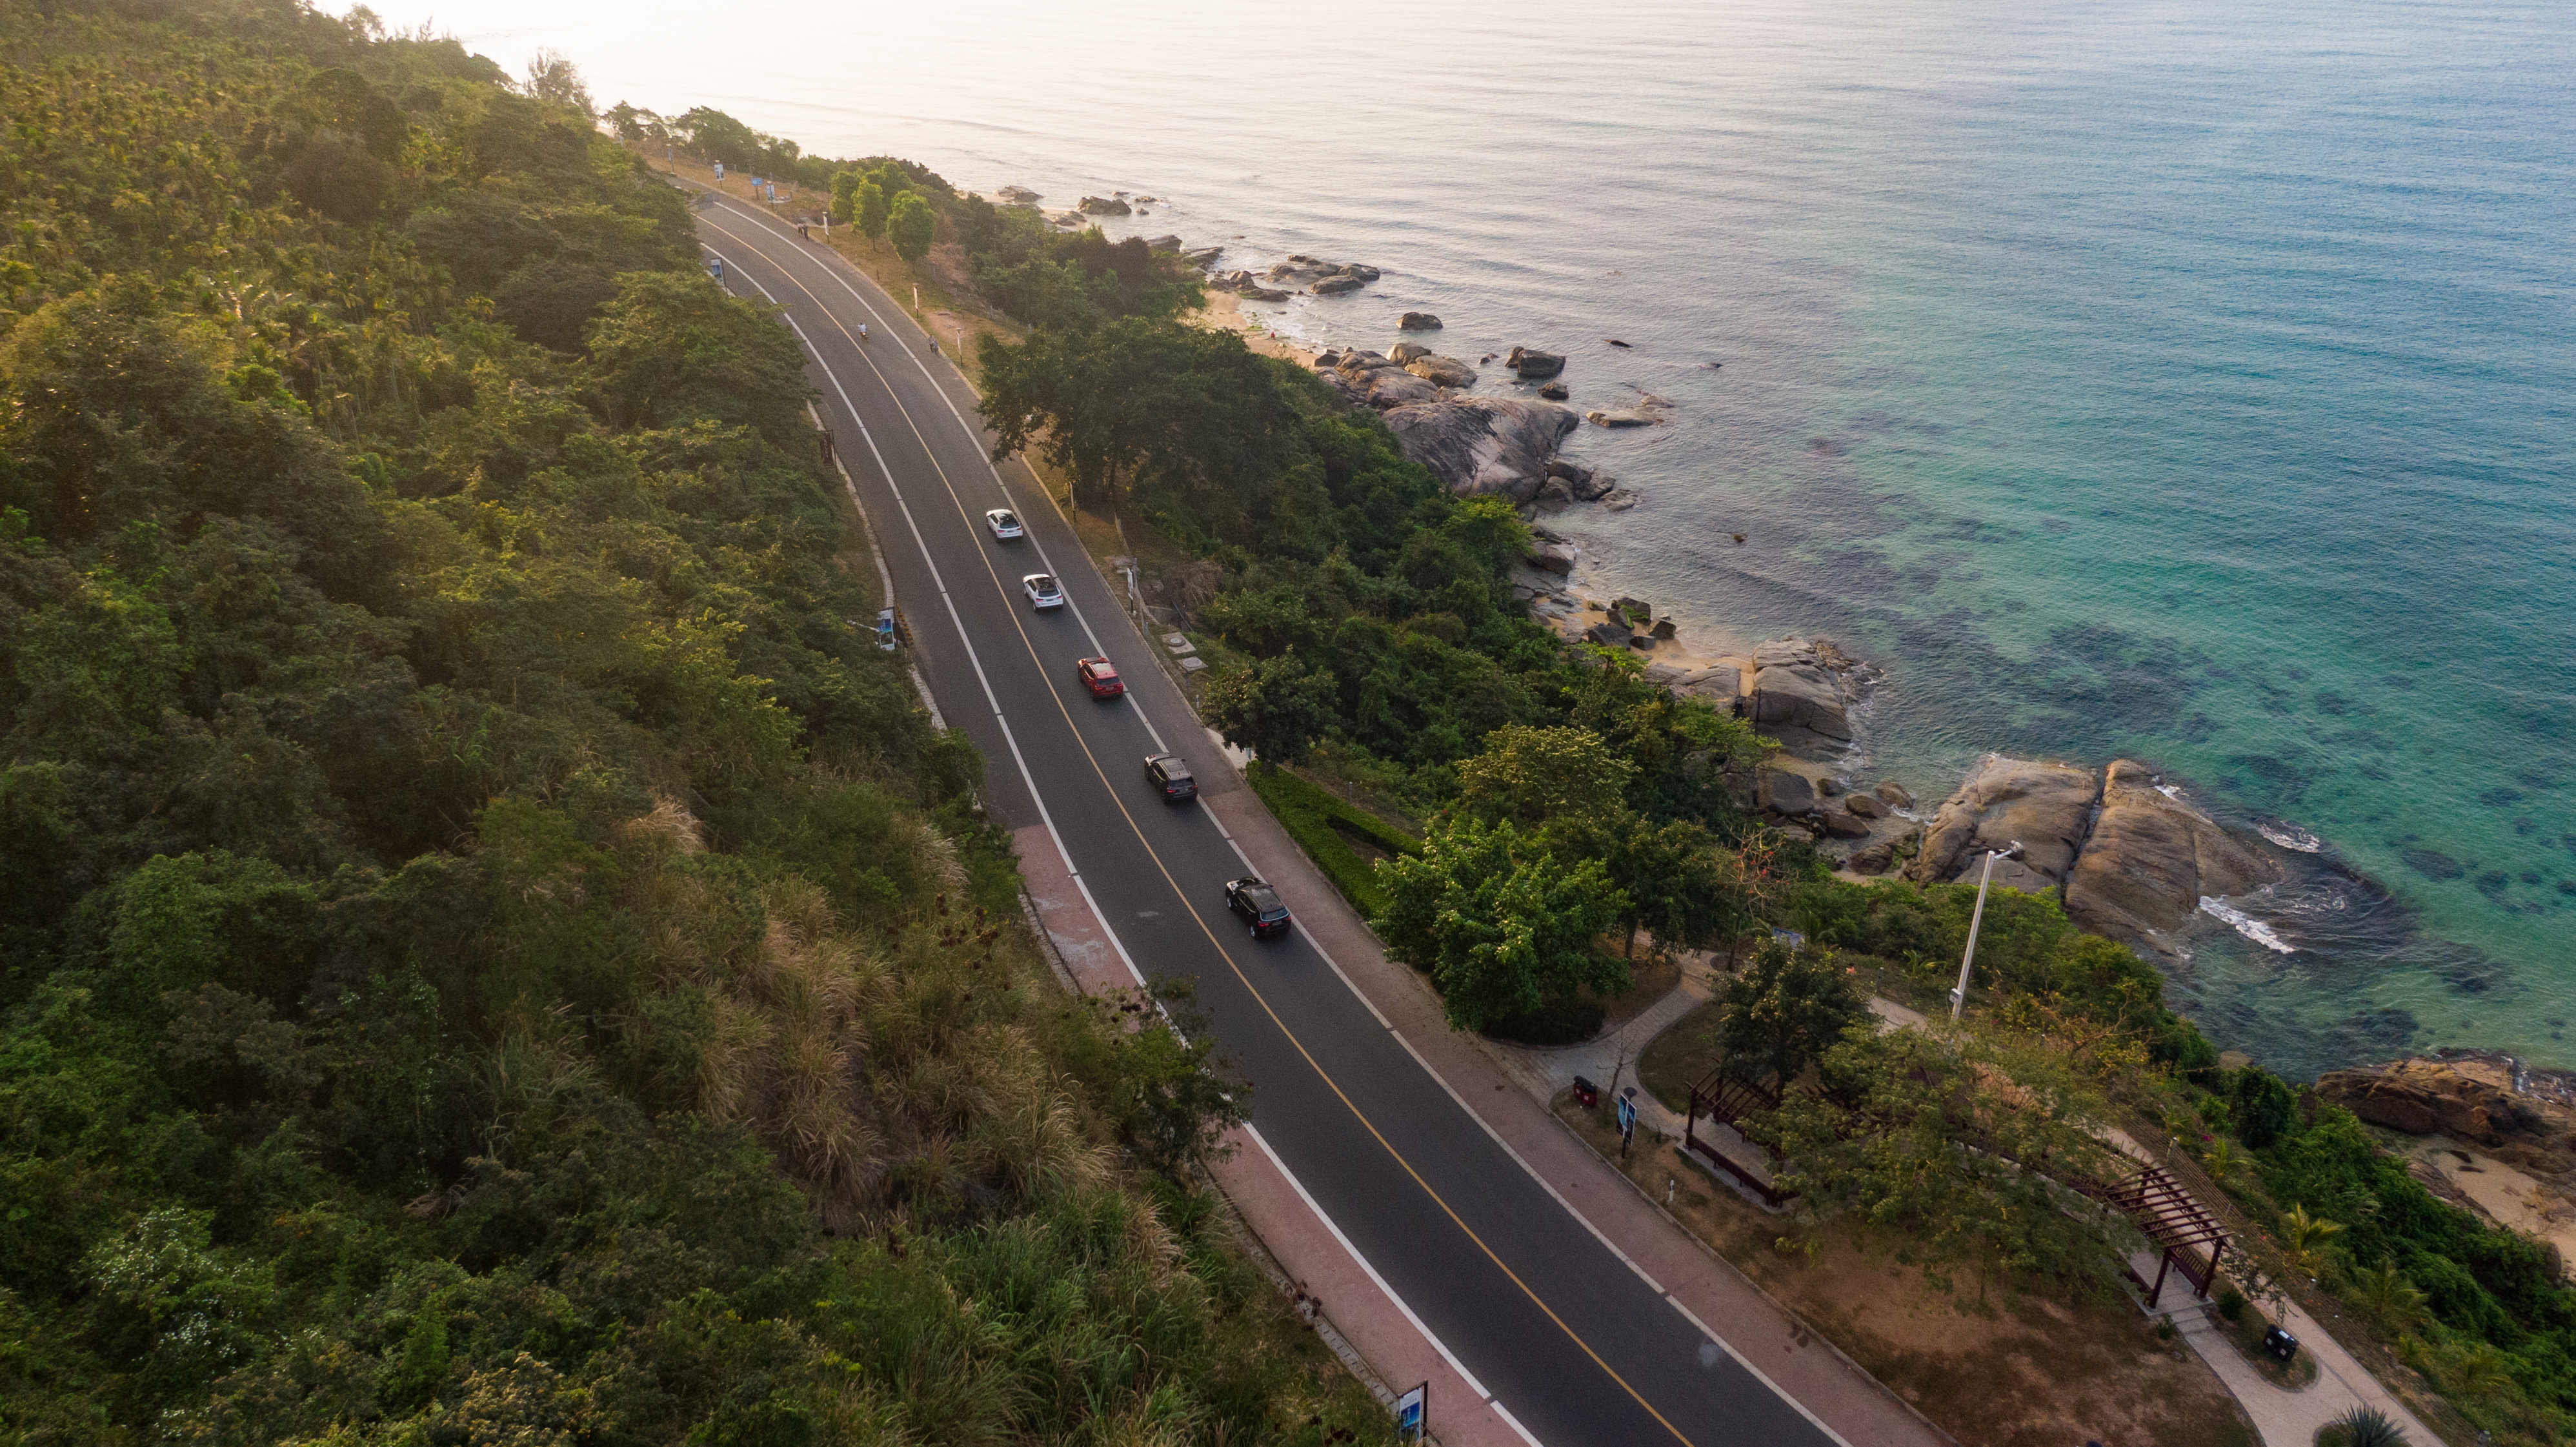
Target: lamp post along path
1976	917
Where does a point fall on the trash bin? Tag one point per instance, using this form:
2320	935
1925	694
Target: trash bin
1586	1094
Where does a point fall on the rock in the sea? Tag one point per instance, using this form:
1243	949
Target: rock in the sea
1532	364
1622	417
2043	807
1829	786
1784	792
1872	858
1336	285
1417	322
1447	371
1892	794
1797	687
1555	392
1163	243
2150	859
1665	628
1202	257
1866	806
1618	499
1017	195
1609	634
1551	558
1482	444
1102	206
1552	493
1263	293
1403	352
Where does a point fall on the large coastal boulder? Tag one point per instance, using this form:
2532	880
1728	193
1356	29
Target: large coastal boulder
1446	371
1783	792
2151	859
2043	807
1417	322
2428	1097
1532	364
1102	206
1798	696
1482	444
1335	285
1390	387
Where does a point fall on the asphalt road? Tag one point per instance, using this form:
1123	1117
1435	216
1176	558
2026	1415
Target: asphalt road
1576	1347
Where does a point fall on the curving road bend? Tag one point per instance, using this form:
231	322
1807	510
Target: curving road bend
1576	1347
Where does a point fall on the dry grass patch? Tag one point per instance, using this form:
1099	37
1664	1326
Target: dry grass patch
2026	1373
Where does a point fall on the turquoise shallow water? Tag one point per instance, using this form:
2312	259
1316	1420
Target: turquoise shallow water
2188	381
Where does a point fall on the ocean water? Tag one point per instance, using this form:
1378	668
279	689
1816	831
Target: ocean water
2185	381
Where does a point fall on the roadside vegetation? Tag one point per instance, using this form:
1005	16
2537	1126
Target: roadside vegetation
487	952
1572	814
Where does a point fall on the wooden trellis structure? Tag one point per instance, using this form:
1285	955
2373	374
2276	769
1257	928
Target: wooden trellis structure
1726	1100
2177	1225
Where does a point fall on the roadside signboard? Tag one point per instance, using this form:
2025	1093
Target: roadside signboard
1627	1115
1409	1414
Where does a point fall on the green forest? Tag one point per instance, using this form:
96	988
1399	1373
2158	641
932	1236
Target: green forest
487	951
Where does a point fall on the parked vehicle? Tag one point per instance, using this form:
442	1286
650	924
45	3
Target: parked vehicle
1169	773
1101	677
1042	590
1004	523
1259	906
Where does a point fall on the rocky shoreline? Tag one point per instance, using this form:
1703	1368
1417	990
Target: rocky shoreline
2128	857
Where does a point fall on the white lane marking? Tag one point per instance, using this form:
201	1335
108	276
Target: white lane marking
1428	1335
1098	648
876	555
1084	886
1347	983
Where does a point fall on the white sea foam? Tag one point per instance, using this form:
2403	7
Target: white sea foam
2170	791
2289	836
2246	924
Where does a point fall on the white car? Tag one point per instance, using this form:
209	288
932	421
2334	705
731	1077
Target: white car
1042	591
1004	523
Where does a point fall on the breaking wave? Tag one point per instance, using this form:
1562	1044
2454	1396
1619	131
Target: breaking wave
2246	924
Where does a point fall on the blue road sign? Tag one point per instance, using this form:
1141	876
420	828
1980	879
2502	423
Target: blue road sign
1409	1413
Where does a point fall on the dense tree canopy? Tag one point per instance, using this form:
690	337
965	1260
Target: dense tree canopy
487	951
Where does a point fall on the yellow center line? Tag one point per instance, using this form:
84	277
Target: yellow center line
985	556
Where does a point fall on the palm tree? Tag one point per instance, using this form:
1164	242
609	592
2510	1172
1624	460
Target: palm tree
2303	1238
2368	1427
2387	1293
2475	1370
2222	1160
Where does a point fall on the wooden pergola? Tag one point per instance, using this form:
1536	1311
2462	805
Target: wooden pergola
2177	1225
1727	1101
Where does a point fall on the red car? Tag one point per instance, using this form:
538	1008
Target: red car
1101	677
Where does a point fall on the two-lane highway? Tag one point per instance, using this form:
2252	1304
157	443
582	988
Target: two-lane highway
1577	1348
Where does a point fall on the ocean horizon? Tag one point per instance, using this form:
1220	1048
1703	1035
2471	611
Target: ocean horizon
2183	382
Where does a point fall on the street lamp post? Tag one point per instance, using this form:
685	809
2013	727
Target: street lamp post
1976	917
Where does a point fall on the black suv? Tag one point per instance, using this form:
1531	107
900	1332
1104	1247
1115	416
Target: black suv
1168	773
1259	905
